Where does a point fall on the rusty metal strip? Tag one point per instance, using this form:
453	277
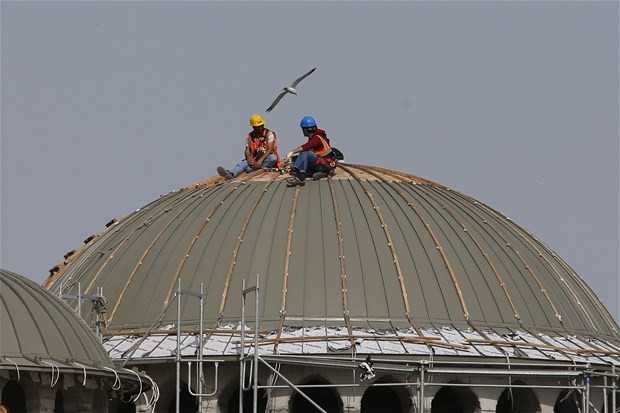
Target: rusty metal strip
233	259
588	291
163	207
392	249
193	242
430	341
500	279
543	346
518	255
566	267
482	252
286	264
433	236
146	252
570	289
486	257
427	226
399	176
343	274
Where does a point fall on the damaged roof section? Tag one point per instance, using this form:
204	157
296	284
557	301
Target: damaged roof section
325	341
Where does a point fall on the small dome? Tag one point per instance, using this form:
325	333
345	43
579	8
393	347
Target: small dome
36	325
40	332
367	248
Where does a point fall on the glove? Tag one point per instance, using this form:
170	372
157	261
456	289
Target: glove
290	155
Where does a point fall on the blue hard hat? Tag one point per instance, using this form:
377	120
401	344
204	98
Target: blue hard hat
307	122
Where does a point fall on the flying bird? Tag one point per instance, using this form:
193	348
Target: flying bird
289	89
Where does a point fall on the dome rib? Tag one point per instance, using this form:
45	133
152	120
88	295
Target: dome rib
481	250
562	279
368	248
148	250
522	238
54	333
286	267
193	240
343	271
236	250
390	245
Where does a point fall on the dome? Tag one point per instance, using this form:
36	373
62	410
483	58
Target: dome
41	334
369	248
38	326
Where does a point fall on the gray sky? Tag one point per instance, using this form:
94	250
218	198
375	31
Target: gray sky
107	105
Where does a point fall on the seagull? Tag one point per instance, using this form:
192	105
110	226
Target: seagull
367	371
289	89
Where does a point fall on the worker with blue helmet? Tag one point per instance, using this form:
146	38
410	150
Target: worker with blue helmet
315	157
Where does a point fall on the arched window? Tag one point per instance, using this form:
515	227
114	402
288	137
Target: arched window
326	397
187	402
386	399
232	404
518	400
59	405
569	401
13	397
455	399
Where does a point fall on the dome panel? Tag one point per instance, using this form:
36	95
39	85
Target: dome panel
368	248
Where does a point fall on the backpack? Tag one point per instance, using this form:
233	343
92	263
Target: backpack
337	154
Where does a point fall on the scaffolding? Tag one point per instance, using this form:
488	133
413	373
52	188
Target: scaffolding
578	376
581	378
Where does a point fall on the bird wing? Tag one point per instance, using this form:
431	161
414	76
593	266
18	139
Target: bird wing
295	83
275	102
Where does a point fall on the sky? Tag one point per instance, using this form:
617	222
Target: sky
106	105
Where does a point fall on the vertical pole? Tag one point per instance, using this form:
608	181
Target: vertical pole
614	388
605	407
422	407
241	370
96	307
178	380
80	300
201	375
255	379
586	408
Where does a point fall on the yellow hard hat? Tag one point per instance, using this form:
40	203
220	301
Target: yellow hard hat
256	120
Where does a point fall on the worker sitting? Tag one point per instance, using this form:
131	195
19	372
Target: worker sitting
261	150
315	158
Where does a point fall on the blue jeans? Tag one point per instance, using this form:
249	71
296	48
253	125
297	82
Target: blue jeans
304	163
269	162
304	159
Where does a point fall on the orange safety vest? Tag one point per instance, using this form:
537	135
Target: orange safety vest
258	146
325	156
326	148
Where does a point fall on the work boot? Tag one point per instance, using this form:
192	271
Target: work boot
319	175
224	173
294	181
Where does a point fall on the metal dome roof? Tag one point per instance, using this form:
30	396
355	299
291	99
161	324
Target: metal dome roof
367	248
37	325
40	333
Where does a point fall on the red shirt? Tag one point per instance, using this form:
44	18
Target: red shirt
314	144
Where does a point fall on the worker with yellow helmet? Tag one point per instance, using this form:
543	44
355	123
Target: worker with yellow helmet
261	150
